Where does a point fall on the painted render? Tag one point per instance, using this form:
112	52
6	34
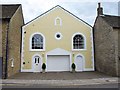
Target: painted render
46	26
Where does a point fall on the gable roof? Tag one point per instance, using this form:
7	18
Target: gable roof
64	10
113	21
8	10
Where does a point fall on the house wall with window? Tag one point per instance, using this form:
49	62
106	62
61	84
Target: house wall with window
59	39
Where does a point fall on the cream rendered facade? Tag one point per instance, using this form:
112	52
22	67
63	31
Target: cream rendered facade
57	53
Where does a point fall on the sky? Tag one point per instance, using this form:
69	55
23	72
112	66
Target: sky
84	9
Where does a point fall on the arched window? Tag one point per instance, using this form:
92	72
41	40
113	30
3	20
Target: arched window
58	21
37	41
78	42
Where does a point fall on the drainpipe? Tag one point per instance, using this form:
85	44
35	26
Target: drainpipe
6	61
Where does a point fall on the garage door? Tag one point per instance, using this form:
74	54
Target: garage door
57	63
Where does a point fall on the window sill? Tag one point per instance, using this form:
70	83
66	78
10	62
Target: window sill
37	49
78	49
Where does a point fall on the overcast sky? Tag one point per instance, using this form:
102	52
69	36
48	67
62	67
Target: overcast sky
84	9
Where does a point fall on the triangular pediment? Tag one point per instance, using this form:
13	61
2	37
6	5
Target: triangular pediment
58	51
60	8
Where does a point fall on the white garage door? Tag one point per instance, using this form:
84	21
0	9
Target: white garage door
56	63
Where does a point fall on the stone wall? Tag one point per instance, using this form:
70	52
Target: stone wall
15	42
119	52
104	48
0	38
4	29
0	67
116	38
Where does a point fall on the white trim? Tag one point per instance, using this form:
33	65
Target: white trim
82	62
53	52
30	44
32	61
22	51
59	34
26	70
53	10
85	46
55	22
93	65
88	69
58	51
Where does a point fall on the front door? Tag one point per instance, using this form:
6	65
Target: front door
37	64
79	63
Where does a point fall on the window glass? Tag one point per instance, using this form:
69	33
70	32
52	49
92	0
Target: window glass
37	41
78	42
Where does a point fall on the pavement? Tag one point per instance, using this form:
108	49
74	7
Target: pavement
59	76
60	79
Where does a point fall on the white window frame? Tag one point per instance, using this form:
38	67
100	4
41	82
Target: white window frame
78	33
59	34
55	22
30	45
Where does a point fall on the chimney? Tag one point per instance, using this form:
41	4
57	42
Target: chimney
99	10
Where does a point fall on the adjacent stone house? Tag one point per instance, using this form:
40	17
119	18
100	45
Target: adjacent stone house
107	41
11	21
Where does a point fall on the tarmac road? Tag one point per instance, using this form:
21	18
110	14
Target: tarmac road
110	85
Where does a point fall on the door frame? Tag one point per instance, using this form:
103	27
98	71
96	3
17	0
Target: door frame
83	62
39	61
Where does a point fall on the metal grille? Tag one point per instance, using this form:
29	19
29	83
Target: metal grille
37	42
78	42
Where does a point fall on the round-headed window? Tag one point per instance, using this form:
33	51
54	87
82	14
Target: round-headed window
58	36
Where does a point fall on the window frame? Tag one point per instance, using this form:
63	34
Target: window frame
59	37
30	45
85	48
55	22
